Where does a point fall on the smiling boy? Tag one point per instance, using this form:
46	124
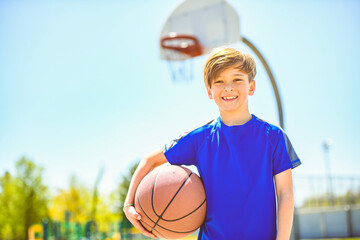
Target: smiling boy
245	162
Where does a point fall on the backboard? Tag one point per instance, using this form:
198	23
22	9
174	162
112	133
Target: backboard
212	22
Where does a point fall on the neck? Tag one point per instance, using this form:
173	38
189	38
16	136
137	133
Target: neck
231	119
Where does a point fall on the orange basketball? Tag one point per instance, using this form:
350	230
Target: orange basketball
171	201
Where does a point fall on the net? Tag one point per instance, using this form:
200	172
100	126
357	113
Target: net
179	51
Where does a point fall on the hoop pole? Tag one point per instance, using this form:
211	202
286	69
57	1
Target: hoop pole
272	79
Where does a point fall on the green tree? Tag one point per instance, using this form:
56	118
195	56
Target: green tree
23	199
118	197
123	189
32	194
76	200
325	200
7	206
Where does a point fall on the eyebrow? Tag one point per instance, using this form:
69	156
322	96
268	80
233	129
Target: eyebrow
235	74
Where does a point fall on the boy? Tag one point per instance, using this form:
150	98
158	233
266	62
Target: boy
238	156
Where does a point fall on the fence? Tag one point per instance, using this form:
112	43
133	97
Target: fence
325	208
327	222
319	191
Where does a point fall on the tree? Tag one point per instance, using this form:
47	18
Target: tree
76	200
123	189
23	199
119	196
7	206
32	194
325	200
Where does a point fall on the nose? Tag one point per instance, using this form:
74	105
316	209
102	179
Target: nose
228	87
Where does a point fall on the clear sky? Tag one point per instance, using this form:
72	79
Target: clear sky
82	85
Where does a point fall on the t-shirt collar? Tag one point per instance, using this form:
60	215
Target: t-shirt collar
248	123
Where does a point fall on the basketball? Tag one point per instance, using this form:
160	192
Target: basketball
171	201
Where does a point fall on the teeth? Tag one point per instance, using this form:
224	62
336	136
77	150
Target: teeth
229	98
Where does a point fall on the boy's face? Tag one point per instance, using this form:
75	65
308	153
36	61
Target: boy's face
230	90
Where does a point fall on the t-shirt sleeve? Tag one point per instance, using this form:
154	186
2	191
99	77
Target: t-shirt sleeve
182	150
284	156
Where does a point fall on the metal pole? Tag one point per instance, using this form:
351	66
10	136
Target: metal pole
272	79
326	146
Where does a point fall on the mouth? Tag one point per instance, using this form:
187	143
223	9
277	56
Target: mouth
229	99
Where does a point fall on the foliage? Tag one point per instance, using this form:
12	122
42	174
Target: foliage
325	200
7	206
23	200
76	203
121	192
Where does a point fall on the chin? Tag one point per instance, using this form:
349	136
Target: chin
230	110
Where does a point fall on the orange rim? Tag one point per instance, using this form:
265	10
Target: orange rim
191	49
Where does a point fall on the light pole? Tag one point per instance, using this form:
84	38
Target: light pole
326	146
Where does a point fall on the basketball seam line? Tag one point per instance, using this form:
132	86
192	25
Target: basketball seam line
152	202
152	193
158	224
172	220
158	233
166	228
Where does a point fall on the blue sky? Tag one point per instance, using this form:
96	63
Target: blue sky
82	85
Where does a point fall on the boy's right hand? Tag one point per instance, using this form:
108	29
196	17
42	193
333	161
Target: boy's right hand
134	217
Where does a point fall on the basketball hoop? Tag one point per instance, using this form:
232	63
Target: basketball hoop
186	44
178	50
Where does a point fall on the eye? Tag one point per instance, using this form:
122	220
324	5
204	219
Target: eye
238	80
218	81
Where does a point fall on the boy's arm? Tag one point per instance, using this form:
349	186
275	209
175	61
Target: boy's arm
285	199
147	164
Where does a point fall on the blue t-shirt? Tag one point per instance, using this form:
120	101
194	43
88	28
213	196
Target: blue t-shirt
237	164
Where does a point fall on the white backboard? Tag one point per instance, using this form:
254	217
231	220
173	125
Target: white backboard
213	22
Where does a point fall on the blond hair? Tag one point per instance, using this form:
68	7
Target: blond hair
223	58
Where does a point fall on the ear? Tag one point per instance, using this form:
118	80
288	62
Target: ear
252	88
209	93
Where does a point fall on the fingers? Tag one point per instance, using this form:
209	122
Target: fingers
134	214
134	218
140	227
